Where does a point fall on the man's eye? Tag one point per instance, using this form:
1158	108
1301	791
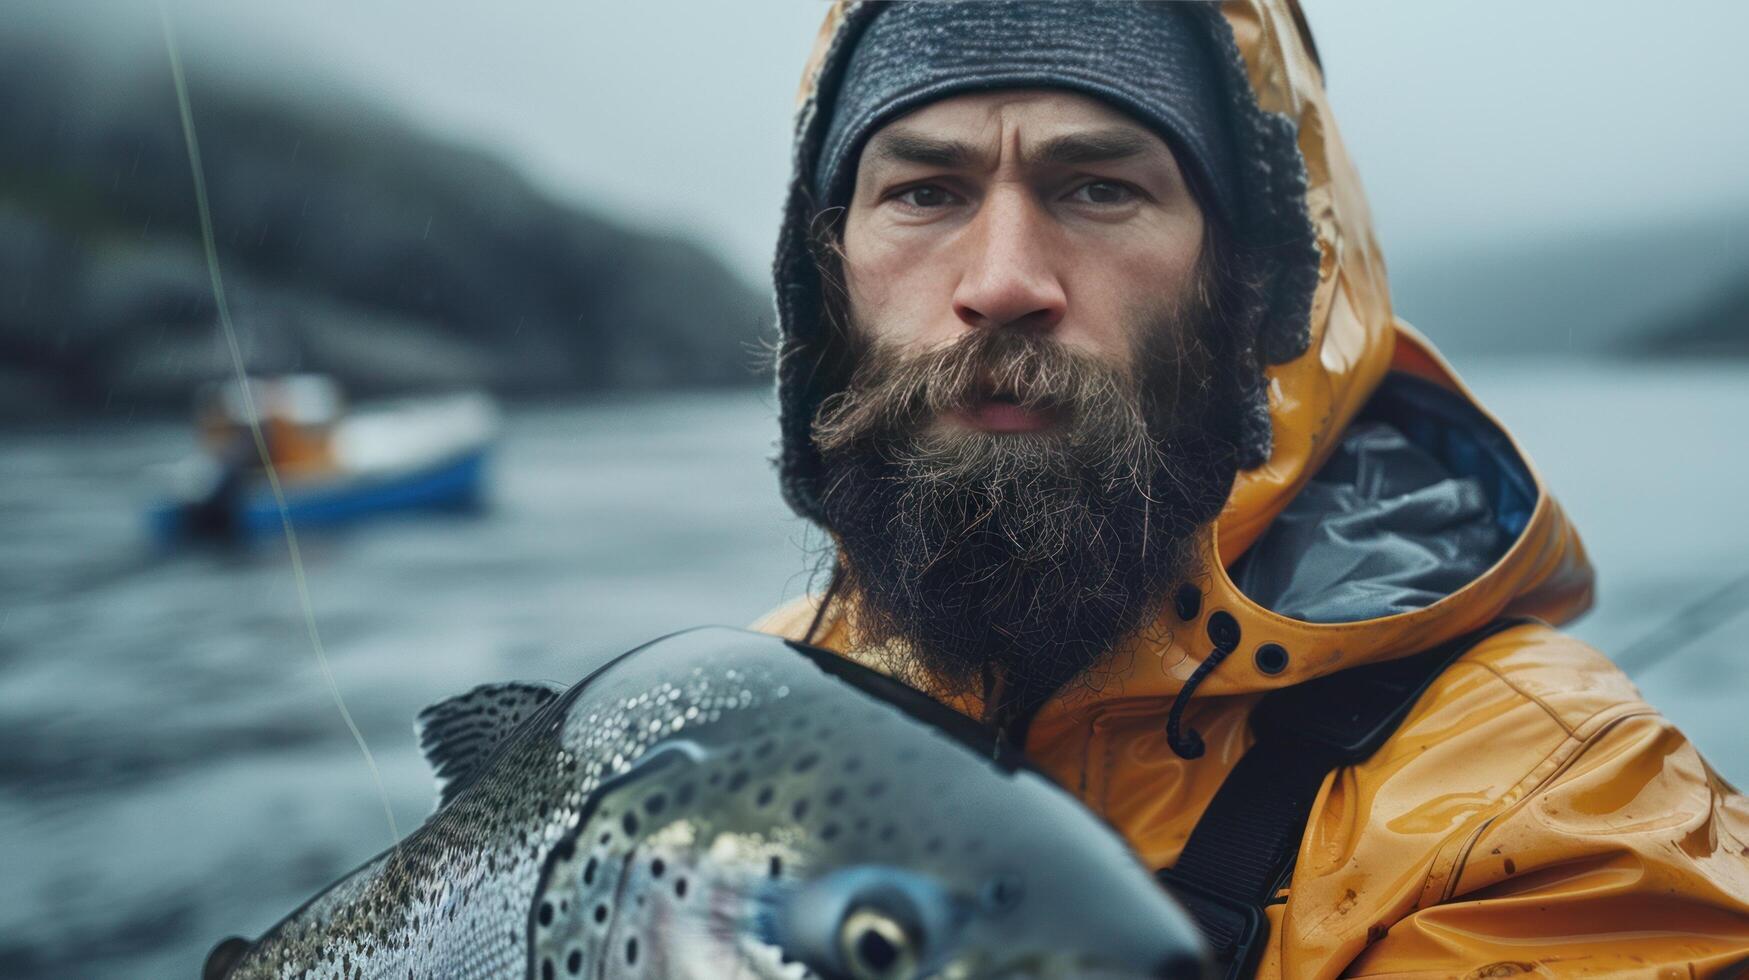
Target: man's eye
1104	192
926	196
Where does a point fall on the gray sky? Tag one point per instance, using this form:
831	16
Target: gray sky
1471	120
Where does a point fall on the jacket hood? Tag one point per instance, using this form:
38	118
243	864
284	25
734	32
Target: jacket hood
1367	405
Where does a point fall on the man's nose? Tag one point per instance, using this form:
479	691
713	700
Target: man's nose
1010	278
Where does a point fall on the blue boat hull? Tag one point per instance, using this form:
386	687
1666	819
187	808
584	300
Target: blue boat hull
457	483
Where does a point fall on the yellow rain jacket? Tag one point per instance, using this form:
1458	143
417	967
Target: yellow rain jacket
1532	815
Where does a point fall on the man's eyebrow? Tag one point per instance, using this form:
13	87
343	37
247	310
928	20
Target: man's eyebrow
1093	146
899	145
909	146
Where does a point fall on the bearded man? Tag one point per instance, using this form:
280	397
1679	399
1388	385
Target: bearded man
1089	370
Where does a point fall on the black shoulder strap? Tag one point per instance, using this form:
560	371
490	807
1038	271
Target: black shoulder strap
1242	849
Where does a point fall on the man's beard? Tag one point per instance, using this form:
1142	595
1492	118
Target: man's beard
1010	564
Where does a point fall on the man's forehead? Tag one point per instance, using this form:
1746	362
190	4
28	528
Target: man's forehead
1060	126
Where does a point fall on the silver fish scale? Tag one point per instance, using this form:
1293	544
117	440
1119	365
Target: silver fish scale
452	899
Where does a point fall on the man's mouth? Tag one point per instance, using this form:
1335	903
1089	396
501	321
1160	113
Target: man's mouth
1002	411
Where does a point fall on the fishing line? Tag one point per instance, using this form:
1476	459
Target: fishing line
249	413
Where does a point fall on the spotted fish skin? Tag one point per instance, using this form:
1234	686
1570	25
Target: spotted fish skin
721	803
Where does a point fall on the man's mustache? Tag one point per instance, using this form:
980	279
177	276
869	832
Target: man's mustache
893	391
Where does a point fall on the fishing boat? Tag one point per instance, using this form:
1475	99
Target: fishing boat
335	465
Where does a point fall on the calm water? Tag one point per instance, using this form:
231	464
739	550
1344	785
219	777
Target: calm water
174	770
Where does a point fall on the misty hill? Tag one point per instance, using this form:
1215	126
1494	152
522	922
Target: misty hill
1716	327
1624	291
349	242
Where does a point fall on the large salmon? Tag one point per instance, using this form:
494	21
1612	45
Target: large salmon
725	804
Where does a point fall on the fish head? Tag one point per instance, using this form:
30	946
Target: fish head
1039	892
1045	895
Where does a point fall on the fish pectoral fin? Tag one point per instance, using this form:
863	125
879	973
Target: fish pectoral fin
458	735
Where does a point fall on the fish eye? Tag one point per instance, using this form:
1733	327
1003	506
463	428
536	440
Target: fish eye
875	946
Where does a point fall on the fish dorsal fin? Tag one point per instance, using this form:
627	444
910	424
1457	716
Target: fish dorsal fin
459	734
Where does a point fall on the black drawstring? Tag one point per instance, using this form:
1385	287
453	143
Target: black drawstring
1010	708
1188	742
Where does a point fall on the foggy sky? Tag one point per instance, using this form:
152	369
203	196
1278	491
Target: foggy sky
1471	120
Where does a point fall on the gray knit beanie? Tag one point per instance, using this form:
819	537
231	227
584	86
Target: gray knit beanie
1173	66
1149	59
